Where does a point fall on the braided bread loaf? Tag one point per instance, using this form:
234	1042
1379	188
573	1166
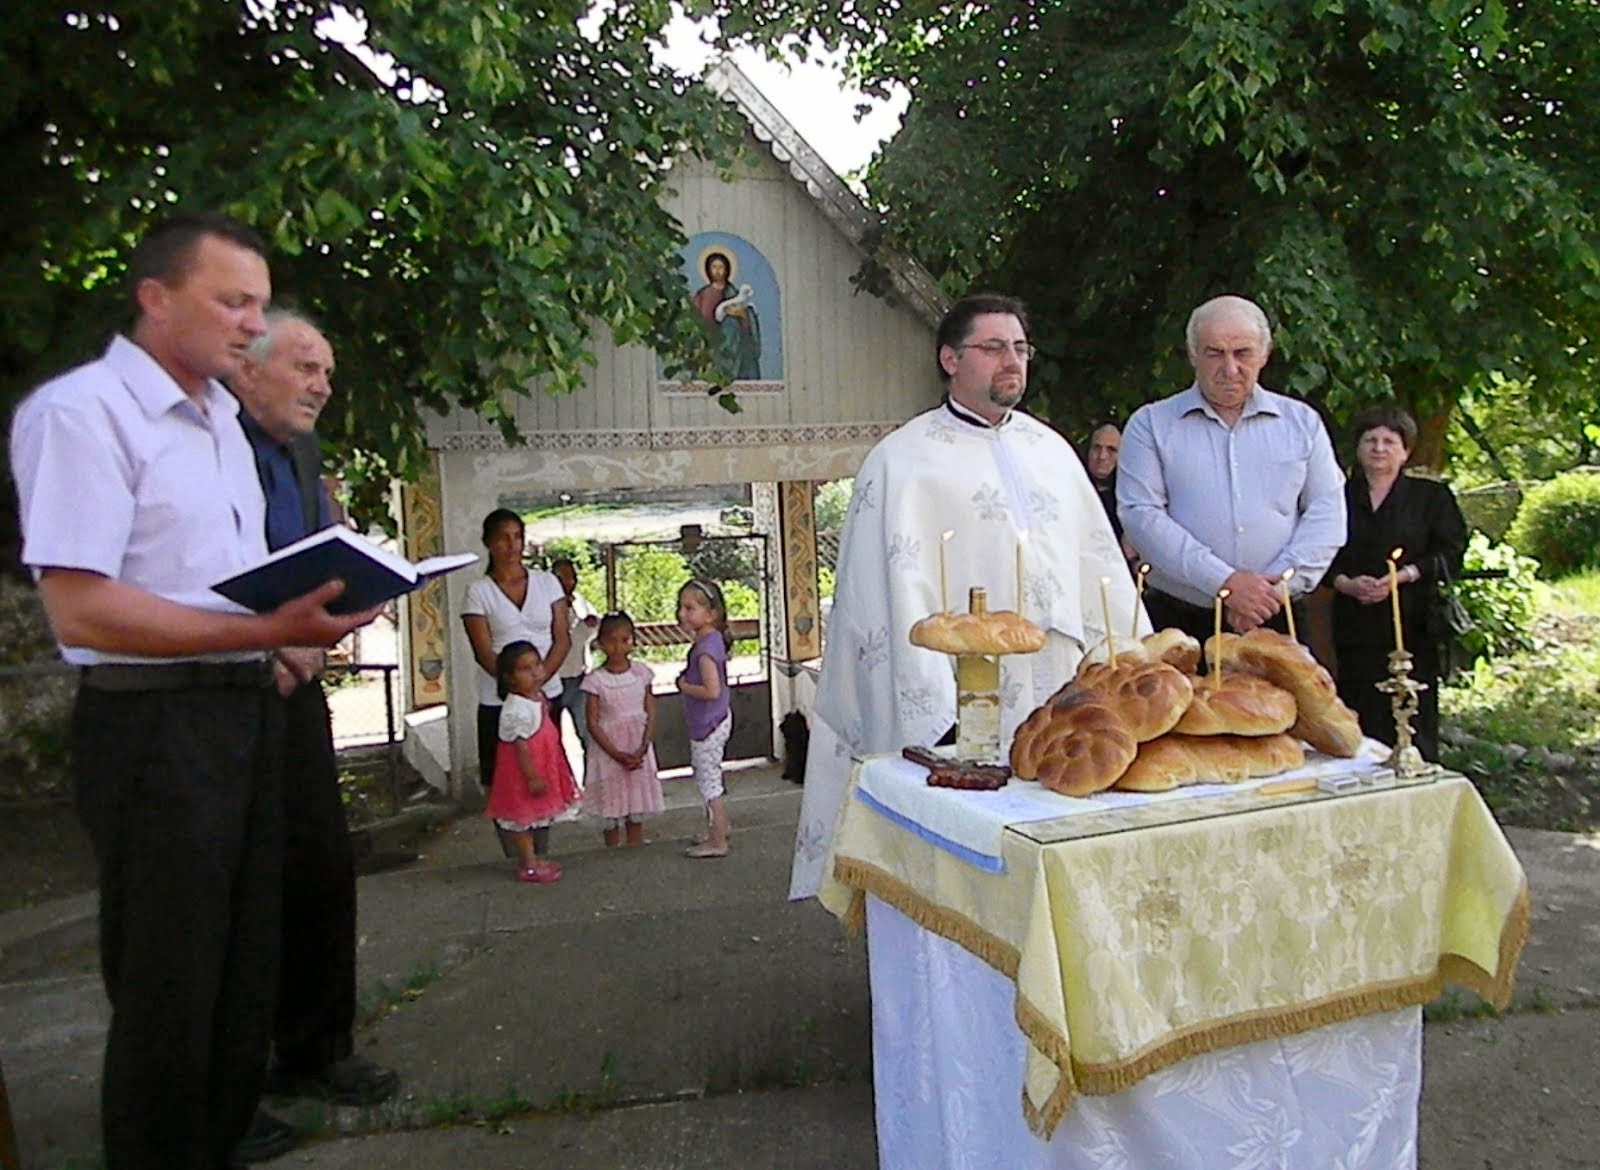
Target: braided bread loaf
1323	721
1150	696
1175	760
1242	704
1073	745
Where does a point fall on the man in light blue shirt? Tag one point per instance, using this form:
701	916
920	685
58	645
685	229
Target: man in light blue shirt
1228	485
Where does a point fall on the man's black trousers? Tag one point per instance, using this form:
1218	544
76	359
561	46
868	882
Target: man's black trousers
317	976
179	793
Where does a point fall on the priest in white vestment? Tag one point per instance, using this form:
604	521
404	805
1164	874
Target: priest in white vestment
998	480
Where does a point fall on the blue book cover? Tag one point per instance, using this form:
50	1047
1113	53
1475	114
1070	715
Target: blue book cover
370	574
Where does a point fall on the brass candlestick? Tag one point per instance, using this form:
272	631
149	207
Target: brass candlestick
1405	694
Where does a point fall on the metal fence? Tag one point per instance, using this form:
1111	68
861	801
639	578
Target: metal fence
363	698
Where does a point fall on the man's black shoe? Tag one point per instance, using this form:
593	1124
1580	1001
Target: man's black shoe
267	1138
355	1080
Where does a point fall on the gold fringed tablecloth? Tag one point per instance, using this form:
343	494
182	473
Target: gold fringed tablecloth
1134	950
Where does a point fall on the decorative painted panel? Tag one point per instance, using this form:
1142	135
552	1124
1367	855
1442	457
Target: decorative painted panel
797	517
427	640
737	295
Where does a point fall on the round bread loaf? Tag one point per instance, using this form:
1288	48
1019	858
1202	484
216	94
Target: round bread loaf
999	632
1321	719
1074	746
1242	704
1150	696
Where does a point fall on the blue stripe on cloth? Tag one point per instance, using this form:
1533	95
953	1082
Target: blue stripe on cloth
984	861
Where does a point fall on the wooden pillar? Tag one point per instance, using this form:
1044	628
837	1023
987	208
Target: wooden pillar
426	646
797	532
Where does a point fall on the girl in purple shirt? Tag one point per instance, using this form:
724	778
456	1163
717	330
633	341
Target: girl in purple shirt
707	705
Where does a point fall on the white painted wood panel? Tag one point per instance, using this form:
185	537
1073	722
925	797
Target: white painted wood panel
848	357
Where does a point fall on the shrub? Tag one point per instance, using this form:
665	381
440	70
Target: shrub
1559	524
1503	608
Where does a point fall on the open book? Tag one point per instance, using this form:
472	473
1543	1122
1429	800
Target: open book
370	574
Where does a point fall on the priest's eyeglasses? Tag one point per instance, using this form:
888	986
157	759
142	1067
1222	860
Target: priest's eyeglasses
997	348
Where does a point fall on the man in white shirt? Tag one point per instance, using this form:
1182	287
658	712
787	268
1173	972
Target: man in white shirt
1011	493
582	624
1228	485
137	490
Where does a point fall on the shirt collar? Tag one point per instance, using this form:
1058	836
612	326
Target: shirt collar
972	418
1259	402
258	434
155	390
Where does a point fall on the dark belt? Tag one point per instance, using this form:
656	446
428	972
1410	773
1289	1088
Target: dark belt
178	676
1178	603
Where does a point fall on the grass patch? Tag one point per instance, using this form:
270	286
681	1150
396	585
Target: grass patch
1526	727
381	998
1576	595
1450	1006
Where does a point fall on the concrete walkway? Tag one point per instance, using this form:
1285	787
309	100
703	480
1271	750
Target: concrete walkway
652	1012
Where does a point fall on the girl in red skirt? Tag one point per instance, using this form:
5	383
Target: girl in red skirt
533	783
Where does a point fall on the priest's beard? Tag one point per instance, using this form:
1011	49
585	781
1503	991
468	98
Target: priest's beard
1005	397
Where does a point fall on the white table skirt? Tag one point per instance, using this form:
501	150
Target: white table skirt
947	1070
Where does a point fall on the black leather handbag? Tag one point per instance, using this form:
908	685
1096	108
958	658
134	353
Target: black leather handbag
1448	623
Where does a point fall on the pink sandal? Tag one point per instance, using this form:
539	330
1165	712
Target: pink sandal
540	872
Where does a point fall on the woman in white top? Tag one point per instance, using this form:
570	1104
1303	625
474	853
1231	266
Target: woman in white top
510	603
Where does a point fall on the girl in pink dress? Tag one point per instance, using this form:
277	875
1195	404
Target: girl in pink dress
620	781
532	782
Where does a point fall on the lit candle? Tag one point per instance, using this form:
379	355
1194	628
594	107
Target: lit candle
1216	642
1288	604
944	576
1138	596
1105	608
1022	538
1394	596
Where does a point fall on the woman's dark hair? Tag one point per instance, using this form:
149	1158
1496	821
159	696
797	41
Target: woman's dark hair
493	520
711	593
506	661
1390	416
611	621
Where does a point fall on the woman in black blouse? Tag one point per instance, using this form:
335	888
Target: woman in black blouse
1389	510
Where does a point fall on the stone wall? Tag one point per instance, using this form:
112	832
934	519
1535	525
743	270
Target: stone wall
36	692
1491	508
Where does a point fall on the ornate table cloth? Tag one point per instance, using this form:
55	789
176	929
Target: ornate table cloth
1129	949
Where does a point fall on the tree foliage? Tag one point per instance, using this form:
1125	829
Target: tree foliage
1407	186
460	204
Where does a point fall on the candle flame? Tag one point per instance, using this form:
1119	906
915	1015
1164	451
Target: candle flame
1224	594
947	534
1288	574
1394	555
